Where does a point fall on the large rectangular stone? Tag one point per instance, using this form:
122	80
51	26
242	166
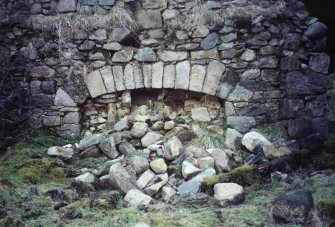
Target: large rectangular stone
107	76
128	77
95	84
183	75
168	55
214	73
169	76
198	74
209	54
298	83
138	76
146	69
118	78
157	74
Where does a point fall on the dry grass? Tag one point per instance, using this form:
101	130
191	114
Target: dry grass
239	10
117	17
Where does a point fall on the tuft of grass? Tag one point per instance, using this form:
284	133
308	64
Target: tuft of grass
212	140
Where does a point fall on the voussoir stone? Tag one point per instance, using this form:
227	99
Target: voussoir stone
95	84
214	73
198	73
169	76
183	75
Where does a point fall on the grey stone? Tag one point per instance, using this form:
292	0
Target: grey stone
51	120
120	34
140	164
189	170
154	4
319	63
213	5
149	19
316	30
298	83
158	165
108	78
220	160
157	72
145	179
48	87
210	41
169	14
205	163
35	86
42	72
128	77
85	178
29	52
303	127
72	118
188	46
205	54
317	107
248	55
168	55
267	63
292	108
168	193
135	197
91	140
98	35
200	32
107	146
214	73
87	45
182	75
193	185
228	193
241	123
106	2
251	74
95	84
200	114
138	76
150	138
233	139
139	129
69	130
229	38
40	100
198	74
169	76
145	55
252	140
127	148
126	99
65	6
118	78
96	56
88	2
120	178
240	94
113	46
232	53
173	148
226	46
147	74
62	98
61	152
123	56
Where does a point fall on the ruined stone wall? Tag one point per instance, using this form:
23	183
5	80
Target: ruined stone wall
263	67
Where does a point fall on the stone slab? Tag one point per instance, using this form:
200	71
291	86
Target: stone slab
214	73
95	84
118	78
183	75
169	76
157	75
108	78
198	74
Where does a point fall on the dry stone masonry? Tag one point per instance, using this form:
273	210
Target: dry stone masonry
261	70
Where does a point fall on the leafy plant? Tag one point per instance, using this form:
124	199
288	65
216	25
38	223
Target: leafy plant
212	140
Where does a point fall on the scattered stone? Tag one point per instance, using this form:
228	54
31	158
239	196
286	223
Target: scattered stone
139	163
277	150
121	125
158	165
228	193
200	114
139	129
252	140
61	152
120	178
220	159
90	140
233	139
168	193
241	123
135	197
145	178
173	148
150	138
107	147
205	163
86	178
189	170
193	185
169	14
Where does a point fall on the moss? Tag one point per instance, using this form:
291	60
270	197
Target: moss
211	181
89	162
326	207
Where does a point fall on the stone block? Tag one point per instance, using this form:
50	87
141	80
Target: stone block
128	77
157	75
118	78
183	75
198	74
214	73
298	83
108	78
167	55
147	74
138	76
169	76
95	84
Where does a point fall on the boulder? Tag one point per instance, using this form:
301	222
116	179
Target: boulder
139	163
168	193
139	129
200	114
135	197
193	185
189	170
107	147
252	140
220	160
233	139
205	163
280	149
150	138
120	178
86	178
145	178
316	30
241	123
61	152
158	165
173	148
228	193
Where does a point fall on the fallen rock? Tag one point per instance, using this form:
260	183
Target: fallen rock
107	146
220	159
90	140
120	178
251	140
61	152
205	163
188	170
241	123
173	148
135	197
150	138
145	178
159	181
158	165
200	114
86	178
276	150
233	139
168	193
139	129
139	163
228	193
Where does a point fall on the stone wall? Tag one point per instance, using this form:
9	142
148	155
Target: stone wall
266	68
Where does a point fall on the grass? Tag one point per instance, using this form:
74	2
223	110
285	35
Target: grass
212	140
